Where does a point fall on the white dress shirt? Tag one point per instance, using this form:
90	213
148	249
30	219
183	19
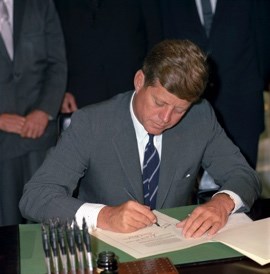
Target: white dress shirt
9	5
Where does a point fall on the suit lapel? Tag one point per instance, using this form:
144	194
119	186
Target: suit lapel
221	10
176	147
126	147
18	13
216	17
3	50
195	15
188	10
169	158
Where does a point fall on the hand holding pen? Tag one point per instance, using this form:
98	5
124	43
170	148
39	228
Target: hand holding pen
125	218
134	199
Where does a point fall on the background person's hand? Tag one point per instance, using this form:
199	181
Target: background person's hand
35	124
11	123
208	218
127	217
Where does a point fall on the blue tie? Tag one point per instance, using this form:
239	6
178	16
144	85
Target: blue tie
207	15
150	174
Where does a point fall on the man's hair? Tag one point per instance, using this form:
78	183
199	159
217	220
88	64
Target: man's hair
179	66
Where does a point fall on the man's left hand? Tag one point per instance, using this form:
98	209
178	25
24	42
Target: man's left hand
35	124
209	217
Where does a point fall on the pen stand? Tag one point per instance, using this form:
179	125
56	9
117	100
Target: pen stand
67	249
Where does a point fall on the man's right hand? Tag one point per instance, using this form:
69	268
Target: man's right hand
11	123
128	217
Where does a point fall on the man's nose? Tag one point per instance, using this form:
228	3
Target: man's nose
166	114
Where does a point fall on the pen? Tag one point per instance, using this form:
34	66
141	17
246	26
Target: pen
54	246
62	244
87	244
46	247
133	198
79	243
71	246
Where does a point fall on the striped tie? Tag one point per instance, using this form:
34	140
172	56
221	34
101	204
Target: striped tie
5	28
150	174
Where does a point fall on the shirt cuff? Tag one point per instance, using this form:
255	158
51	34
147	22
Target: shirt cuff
90	213
237	200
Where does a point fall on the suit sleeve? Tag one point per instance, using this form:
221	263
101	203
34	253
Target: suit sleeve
49	192
225	163
56	72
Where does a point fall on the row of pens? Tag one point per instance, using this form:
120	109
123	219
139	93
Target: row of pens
67	248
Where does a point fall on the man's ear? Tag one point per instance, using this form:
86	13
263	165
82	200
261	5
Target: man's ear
139	80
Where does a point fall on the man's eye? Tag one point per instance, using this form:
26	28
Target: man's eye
160	104
179	111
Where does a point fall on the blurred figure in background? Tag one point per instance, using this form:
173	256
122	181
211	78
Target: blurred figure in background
32	84
234	34
105	39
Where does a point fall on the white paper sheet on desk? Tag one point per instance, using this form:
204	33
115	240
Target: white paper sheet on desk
156	240
252	240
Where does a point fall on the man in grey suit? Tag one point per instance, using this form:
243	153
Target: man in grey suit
105	142
32	85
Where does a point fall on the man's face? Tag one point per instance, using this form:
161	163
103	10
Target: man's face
156	108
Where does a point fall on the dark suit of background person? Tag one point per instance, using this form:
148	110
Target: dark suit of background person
236	83
106	44
34	80
108	155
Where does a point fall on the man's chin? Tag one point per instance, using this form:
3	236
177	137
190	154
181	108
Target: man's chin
157	131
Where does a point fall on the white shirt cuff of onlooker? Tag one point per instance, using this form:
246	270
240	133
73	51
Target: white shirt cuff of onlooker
237	200
90	213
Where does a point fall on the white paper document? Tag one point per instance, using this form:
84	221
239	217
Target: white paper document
252	240
166	238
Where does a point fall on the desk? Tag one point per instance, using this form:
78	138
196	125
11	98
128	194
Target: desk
11	261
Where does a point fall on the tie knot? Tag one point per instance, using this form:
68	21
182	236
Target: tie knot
151	138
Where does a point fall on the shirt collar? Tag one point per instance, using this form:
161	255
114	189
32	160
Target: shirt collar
140	131
9	4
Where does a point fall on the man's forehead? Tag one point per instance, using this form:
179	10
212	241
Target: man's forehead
168	98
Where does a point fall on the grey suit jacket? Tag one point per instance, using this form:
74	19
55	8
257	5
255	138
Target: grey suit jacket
100	146
36	77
